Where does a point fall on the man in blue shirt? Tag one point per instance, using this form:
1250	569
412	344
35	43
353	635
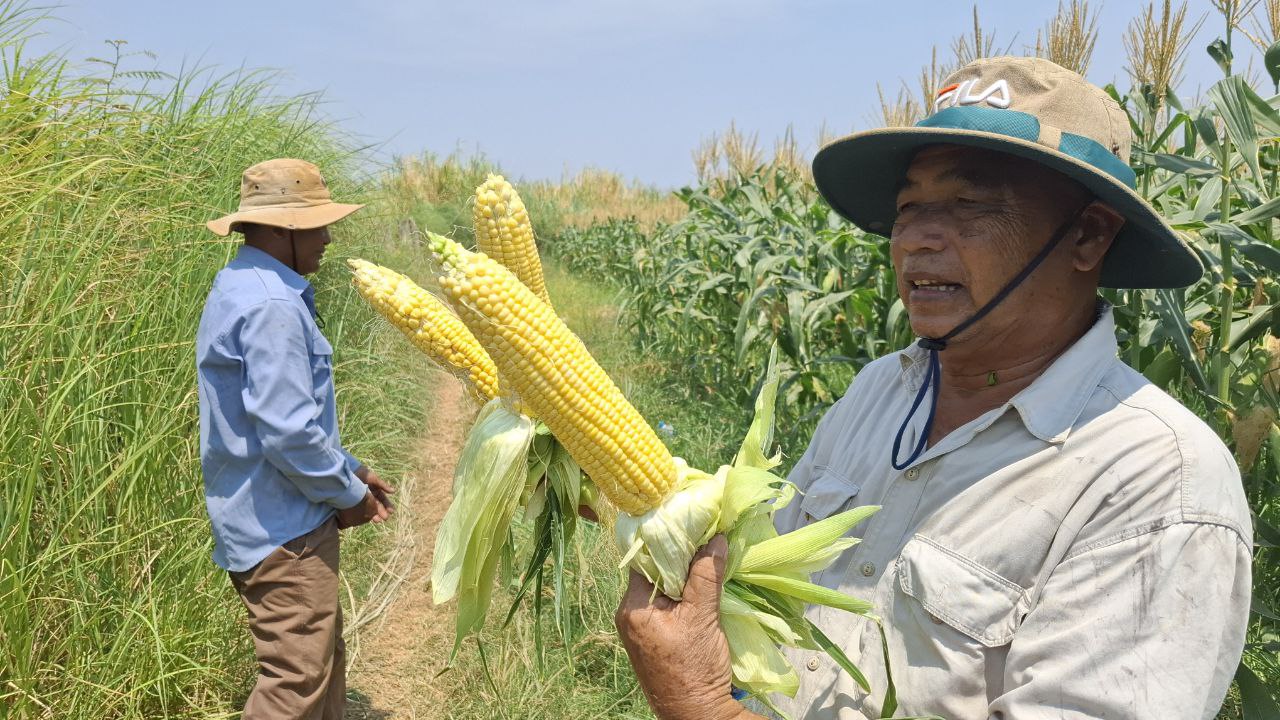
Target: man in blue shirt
278	482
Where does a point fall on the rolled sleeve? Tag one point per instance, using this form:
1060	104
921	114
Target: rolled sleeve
280	400
1150	626
353	463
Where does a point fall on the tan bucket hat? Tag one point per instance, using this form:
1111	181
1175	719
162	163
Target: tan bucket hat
1032	108
285	193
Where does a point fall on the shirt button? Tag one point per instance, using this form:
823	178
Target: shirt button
913	473
812	664
936	620
868	569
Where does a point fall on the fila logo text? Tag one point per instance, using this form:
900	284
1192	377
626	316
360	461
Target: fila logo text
995	95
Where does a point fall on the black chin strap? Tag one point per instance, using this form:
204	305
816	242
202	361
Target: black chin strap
933	374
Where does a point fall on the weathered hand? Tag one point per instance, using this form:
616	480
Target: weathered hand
369	509
679	652
379	487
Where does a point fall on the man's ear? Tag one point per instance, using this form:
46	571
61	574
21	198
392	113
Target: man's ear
1099	224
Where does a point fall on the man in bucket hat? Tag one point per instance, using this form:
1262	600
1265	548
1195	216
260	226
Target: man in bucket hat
278	483
1058	538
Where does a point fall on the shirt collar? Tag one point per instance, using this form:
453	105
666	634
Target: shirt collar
1050	405
253	257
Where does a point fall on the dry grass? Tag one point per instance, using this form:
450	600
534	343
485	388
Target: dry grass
437	191
594	195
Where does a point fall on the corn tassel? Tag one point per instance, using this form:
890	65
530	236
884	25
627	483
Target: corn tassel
504	233
551	372
428	322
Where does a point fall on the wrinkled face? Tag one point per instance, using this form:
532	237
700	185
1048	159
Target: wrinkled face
968	221
309	246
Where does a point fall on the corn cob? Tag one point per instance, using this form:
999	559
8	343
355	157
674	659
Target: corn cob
428	322
504	233
552	373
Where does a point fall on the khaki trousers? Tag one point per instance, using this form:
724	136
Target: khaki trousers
296	621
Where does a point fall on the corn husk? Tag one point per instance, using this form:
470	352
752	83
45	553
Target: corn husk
490	477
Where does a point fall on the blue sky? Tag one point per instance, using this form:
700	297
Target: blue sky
549	87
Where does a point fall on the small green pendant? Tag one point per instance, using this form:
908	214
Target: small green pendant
991	378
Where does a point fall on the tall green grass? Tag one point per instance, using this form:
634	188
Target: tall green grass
109	604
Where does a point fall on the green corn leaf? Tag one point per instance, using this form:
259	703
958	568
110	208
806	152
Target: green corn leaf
756	445
1231	97
1260	608
807	591
837	654
1179	120
1266	211
1162	370
1251	328
1183	165
1169	308
1220	51
808	549
1272	62
1255	697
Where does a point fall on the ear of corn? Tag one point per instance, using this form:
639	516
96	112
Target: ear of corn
428	322
551	372
505	234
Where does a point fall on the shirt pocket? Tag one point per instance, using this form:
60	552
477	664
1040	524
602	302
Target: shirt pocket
959	592
830	492
321	367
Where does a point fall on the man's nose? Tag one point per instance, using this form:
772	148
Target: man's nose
925	232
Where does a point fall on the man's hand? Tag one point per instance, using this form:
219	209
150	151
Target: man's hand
379	487
376	507
679	652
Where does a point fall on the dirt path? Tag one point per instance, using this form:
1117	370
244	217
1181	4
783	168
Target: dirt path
399	650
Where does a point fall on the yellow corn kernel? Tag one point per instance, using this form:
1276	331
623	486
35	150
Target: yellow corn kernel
428	322
504	233
551	372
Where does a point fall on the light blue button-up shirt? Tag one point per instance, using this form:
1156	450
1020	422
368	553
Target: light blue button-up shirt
274	468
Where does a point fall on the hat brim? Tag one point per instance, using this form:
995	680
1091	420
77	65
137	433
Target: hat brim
859	176
297	218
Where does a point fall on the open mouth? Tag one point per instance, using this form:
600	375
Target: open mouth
934	287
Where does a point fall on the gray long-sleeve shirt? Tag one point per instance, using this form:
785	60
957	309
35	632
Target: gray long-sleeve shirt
1082	552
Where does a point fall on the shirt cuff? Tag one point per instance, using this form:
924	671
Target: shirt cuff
355	492
353	464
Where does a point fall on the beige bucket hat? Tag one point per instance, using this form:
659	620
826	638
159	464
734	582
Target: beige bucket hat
1034	109
285	193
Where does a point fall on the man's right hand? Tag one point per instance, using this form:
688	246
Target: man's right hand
370	509
679	652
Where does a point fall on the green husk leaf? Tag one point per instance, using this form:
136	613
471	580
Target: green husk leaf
732	603
807	591
760	436
490	478
837	654
750	490
808	549
661	543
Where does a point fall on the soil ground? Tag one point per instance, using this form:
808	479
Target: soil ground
397	654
